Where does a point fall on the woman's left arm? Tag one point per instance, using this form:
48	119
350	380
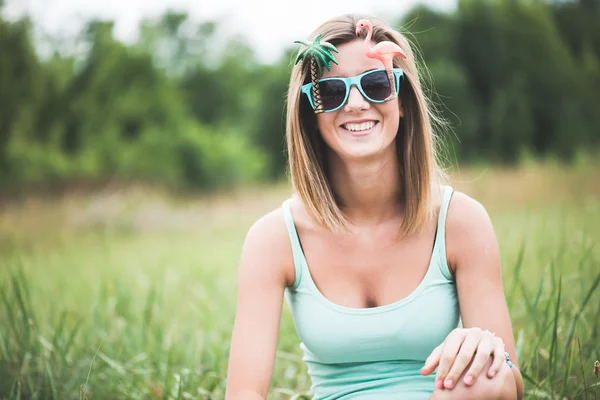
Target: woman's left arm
474	258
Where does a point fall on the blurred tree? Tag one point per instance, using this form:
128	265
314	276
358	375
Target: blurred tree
481	46
450	87
511	120
455	99
21	77
95	96
189	105
431	31
577	23
175	42
499	40
268	126
226	94
537	51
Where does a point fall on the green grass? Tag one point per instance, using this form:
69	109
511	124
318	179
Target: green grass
137	300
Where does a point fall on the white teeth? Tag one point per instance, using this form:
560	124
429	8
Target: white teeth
360	127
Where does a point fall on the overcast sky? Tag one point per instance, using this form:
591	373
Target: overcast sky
256	19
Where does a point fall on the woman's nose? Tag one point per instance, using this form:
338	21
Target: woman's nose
356	101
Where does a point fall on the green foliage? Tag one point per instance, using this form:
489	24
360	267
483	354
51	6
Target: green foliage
20	78
512	77
267	129
116	115
511	120
120	312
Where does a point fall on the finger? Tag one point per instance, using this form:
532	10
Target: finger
432	361
499	358
449	352
462	359
484	351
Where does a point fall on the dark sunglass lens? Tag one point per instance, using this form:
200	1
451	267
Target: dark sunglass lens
376	85
333	92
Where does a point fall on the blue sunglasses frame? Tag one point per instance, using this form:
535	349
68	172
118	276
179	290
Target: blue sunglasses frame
349	82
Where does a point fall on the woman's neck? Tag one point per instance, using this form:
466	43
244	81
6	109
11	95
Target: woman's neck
369	190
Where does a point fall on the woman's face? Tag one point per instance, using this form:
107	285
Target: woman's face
359	129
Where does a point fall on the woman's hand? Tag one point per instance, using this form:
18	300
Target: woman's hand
461	348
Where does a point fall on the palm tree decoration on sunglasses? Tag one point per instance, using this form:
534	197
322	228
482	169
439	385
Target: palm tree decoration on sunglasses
321	56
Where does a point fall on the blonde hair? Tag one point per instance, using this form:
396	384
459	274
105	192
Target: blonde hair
416	143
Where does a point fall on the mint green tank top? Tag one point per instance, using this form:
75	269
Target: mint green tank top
373	353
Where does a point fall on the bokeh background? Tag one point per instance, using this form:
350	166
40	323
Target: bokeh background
139	141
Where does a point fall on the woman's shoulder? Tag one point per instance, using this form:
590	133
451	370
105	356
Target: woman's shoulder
465	214
273	225
468	225
267	244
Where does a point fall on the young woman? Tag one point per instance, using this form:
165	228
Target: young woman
393	278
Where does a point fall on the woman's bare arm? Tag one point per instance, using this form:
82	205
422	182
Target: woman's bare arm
263	275
465	354
473	250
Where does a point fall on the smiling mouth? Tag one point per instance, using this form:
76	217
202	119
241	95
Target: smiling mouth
360	127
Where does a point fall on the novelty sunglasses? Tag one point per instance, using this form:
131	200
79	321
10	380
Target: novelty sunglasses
373	85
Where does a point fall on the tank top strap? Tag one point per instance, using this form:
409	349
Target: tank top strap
440	240
294	241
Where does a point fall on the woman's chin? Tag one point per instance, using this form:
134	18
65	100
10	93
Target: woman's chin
362	151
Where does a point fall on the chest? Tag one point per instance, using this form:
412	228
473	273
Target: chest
406	330
368	269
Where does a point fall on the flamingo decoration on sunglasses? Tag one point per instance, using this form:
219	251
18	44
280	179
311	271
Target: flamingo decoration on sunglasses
382	51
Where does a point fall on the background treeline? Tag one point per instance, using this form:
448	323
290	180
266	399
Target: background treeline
517	79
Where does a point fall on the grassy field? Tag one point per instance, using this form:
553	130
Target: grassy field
129	293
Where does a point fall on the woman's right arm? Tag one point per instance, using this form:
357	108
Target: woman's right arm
261	283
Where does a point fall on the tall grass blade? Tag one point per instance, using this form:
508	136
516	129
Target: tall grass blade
579	312
58	331
71	340
585	388
3	348
526	298
553	275
168	368
25	313
13	388
52	382
38	387
148	316
554	342
538	295
176	389
567	370
534	306
115	365
12	321
519	344
84	388
20	276
516	274
595	327
530	380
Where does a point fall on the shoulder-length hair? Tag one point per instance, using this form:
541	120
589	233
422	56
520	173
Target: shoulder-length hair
420	174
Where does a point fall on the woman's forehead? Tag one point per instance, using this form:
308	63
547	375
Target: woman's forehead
352	60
